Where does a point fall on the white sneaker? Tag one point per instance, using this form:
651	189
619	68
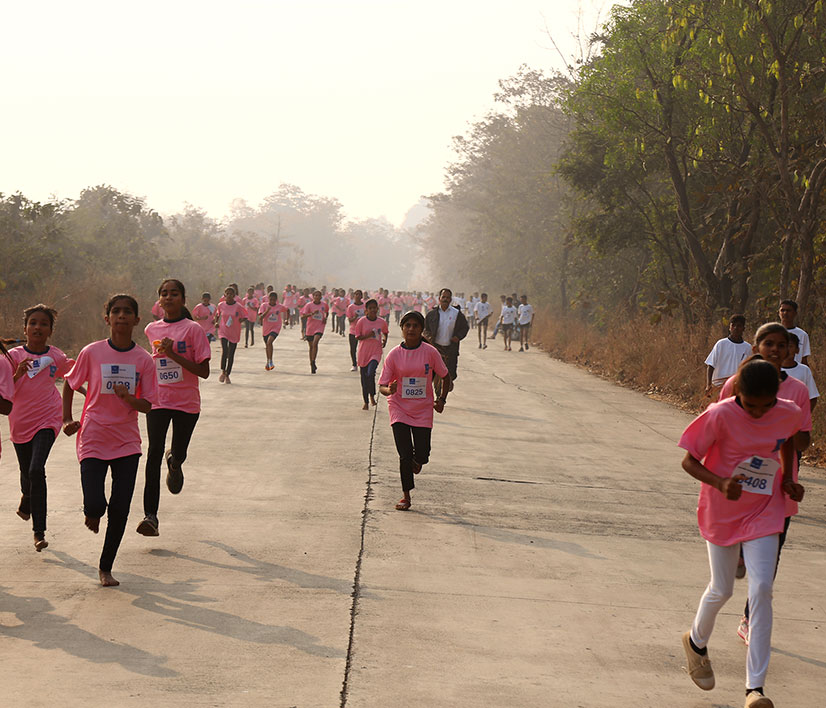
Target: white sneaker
758	700
355	368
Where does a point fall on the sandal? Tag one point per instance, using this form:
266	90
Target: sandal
403	505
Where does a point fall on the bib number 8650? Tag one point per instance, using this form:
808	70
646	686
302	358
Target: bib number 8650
168	375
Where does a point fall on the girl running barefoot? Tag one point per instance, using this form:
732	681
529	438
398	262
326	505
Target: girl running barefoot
355	311
36	417
181	354
228	316
407	380
371	332
252	302
742	450
271	314
314	319
121	382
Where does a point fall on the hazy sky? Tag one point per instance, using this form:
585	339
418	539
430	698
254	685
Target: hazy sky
203	102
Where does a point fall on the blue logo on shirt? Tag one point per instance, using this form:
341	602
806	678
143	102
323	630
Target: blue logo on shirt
426	369
181	347
756	463
780	442
115	369
52	370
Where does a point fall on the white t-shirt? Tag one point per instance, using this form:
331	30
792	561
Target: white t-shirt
447	321
508	315
726	357
525	314
803	373
482	310
804	348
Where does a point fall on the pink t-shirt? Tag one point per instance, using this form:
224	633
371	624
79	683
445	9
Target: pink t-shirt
252	304
355	313
413	370
384	305
6	380
37	404
316	317
109	425
792	390
723	437
369	349
271	317
178	388
397	303
157	310
203	311
338	306
229	324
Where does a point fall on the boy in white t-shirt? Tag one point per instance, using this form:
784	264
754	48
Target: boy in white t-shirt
727	355
507	320
800	371
788	314
525	321
482	311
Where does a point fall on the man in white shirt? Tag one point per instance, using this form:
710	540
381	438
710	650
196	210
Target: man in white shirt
444	328
482	311
507	319
525	315
788	314
727	354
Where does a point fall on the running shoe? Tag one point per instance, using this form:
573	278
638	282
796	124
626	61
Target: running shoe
270	366
149	526
174	475
355	368
758	700
699	666
743	630
313	368
40	542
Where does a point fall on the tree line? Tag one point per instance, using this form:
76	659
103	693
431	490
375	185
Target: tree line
677	170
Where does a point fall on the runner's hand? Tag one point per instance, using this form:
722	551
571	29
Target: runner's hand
794	490
393	386
71	427
439	406
730	487
22	368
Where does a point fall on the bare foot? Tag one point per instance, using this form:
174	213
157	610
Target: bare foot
92	524
222	377
365	407
373	401
107	580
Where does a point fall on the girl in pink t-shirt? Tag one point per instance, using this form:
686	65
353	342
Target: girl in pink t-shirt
314	319
120	378
204	314
742	450
271	314
371	333
36	417
355	311
180	351
407	379
228	316
252	302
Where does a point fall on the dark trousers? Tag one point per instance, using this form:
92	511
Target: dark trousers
412	444
249	332
368	380
781	541
157	425
93	481
31	457
354	343
227	354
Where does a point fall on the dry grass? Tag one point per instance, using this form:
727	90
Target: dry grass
664	361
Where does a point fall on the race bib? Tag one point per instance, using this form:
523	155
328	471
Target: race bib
318	315
168	371
39	365
759	473
273	316
377	334
414	387
228	323
111	374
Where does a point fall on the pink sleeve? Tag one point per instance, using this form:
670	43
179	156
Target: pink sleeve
699	436
147	386
6	380
79	373
200	346
388	372
728	388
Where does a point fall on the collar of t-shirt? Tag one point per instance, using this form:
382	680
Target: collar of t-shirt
118	349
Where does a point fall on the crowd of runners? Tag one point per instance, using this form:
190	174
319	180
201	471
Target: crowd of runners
119	379
744	448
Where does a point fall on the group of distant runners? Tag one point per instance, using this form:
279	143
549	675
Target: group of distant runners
744	448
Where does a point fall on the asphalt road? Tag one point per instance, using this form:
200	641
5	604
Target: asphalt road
551	557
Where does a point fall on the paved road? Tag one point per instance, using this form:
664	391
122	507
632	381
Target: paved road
551	557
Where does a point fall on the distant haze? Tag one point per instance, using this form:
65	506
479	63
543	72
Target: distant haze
202	103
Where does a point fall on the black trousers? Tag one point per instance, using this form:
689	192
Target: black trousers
93	481
354	343
157	426
227	354
31	457
249	332
368	380
412	444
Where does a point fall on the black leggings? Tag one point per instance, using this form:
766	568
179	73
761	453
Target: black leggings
227	355
412	444
249	332
368	380
354	343
157	425
93	481
31	457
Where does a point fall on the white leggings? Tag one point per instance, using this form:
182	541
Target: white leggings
760	556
